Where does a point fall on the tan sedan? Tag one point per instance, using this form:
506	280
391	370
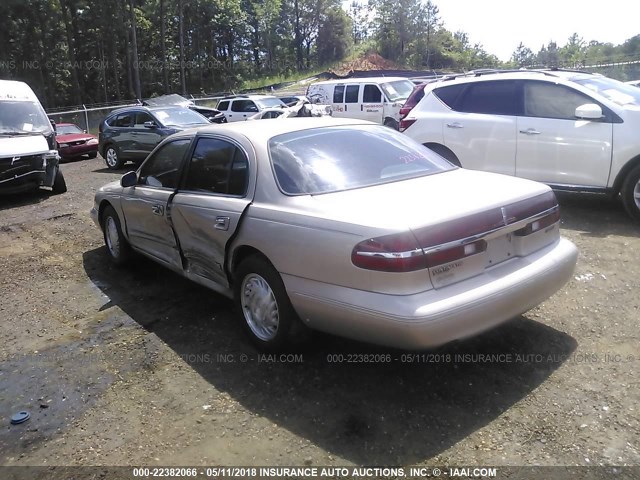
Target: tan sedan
341	226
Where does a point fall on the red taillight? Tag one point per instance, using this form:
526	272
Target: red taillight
540	224
447	255
390	253
406	123
404	111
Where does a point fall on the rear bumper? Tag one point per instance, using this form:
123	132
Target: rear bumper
435	317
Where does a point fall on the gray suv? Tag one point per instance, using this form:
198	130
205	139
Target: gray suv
131	133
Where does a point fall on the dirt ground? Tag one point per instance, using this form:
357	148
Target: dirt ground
139	366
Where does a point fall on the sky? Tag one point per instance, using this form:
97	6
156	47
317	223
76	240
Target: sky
500	25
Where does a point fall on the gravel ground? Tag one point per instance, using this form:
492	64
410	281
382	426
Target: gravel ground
139	366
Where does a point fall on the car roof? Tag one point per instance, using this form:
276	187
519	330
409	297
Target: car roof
16	91
144	108
488	75
361	80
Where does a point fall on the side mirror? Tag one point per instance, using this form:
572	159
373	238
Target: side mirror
129	179
53	125
589	111
150	124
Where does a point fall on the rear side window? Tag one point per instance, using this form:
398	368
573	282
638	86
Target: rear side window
163	168
448	95
330	159
338	94
217	166
495	98
351	95
223	105
122	120
371	94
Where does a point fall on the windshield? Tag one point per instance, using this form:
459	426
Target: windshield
398	90
618	92
171	99
67	129
270	102
180	117
331	159
23	117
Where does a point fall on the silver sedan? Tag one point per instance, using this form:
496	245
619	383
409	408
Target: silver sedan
340	226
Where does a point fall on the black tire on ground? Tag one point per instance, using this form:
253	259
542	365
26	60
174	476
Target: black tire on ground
118	248
93	154
264	307
391	123
630	193
112	157
59	185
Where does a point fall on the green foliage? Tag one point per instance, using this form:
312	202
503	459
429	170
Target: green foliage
82	51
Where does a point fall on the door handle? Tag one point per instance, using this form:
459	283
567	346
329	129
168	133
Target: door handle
454	125
530	131
157	209
222	223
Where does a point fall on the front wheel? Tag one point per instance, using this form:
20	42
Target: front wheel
59	184
112	158
630	193
117	246
265	309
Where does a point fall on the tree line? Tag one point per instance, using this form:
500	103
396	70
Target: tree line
75	52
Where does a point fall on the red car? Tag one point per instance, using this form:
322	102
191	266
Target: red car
73	142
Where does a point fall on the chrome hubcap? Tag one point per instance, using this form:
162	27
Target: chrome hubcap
113	241
636	194
259	307
112	157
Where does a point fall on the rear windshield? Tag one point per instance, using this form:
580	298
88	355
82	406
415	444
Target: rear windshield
331	159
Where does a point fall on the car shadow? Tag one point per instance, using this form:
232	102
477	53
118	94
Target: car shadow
23	199
595	215
367	404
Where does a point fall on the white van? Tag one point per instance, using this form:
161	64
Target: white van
28	156
377	99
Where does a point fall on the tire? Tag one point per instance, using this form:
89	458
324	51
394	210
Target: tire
93	154
112	158
445	153
391	123
59	184
117	246
264	307
630	193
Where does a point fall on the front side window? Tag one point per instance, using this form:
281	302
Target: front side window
371	94
549	100
331	159
163	168
243	106
142	117
217	166
498	97
223	105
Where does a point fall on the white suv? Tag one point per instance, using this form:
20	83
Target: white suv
241	107
572	130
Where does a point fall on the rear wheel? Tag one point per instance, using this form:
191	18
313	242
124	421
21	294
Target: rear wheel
112	158
117	246
265	309
630	193
391	123
59	184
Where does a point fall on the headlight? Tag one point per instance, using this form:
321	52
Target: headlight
63	145
93	141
